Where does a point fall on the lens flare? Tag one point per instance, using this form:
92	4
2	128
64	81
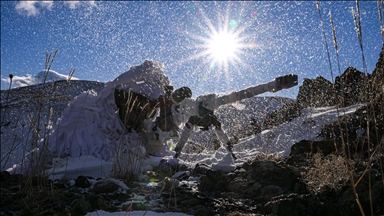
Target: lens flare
221	41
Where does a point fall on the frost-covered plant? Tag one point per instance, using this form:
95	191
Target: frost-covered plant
326	172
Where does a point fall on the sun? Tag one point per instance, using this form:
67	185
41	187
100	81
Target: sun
221	42
223	47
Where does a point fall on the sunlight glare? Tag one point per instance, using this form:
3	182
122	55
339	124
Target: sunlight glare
222	42
223	46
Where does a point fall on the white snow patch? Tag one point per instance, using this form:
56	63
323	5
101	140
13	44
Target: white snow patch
226	164
85	165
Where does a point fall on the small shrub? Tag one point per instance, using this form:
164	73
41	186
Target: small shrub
326	172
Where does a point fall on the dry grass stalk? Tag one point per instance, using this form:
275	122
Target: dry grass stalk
380	18
36	137
325	39
129	156
370	112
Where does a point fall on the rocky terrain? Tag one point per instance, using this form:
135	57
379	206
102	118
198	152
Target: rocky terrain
315	179
264	186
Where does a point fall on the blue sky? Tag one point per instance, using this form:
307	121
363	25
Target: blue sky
269	39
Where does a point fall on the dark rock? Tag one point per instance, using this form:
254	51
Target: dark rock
201	169
286	113
352	129
271	173
104	186
239	184
317	92
304	147
120	197
349	88
181	175
378	80
82	182
347	199
182	167
213	181
271	191
296	159
288	206
4	175
201	210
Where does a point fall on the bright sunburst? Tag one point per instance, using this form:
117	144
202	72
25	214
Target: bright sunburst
220	40
223	46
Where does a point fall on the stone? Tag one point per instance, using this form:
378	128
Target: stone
82	182
213	181
104	186
304	147
201	169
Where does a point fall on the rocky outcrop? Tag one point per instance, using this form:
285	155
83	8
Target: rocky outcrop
378	76
350	88
366	125
317	92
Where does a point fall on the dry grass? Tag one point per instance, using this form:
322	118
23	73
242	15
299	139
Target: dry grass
128	161
35	137
324	171
330	172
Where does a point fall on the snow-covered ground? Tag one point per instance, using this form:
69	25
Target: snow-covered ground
277	140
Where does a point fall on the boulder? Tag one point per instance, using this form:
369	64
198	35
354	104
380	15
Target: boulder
352	86
317	92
